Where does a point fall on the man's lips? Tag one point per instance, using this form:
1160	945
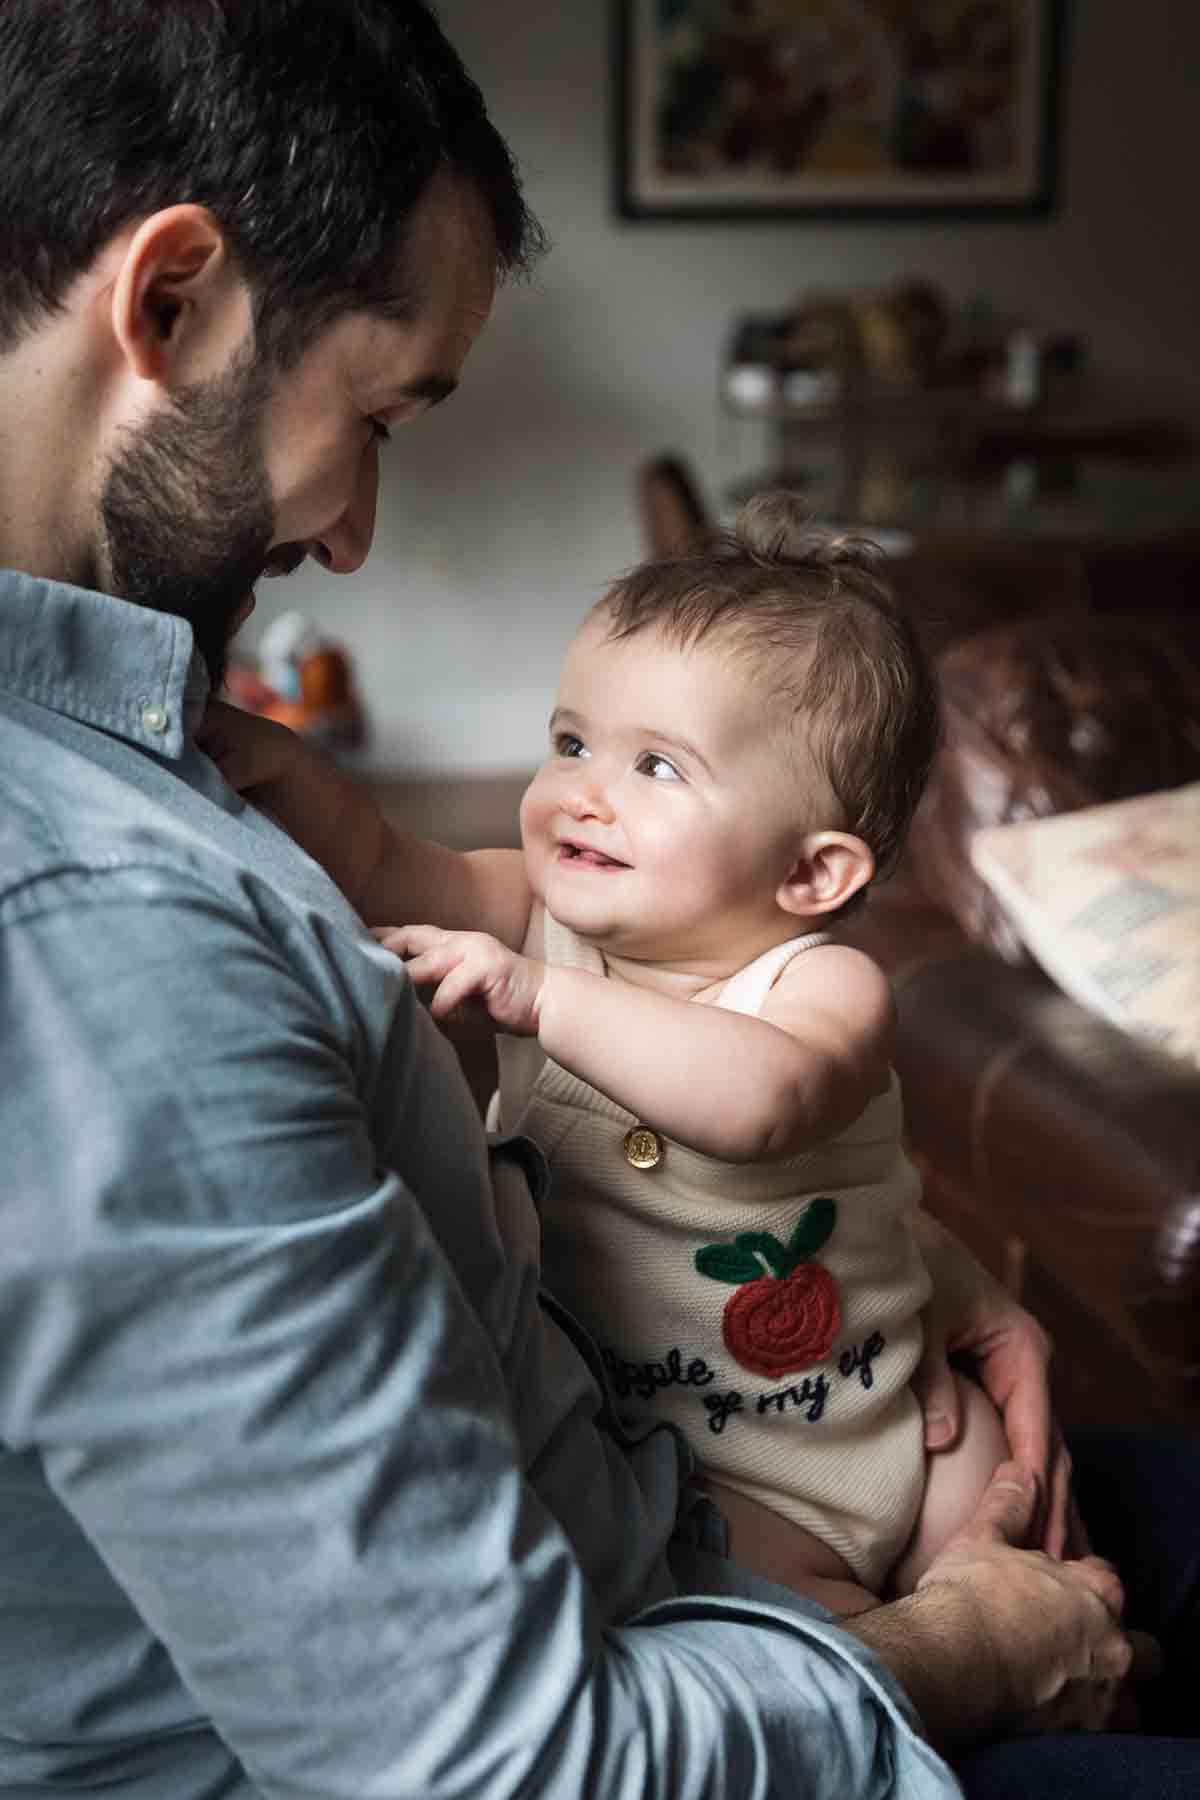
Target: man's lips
582	856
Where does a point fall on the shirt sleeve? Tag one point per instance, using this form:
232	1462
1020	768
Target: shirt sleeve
253	1380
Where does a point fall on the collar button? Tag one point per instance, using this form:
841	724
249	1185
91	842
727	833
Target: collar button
155	719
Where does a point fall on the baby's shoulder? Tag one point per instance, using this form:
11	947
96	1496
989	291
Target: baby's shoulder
837	980
833	962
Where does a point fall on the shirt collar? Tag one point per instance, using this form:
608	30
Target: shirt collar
130	671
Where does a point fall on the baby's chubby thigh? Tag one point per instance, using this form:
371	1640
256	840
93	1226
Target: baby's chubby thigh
955	1480
768	1544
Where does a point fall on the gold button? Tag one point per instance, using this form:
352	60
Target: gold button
643	1148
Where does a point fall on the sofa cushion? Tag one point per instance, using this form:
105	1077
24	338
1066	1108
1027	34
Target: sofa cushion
1044	716
1108	901
950	591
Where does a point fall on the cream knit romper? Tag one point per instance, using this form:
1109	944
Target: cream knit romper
768	1310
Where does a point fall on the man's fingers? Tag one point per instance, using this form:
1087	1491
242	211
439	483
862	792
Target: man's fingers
1023	1397
1057	1525
1104	1582
1078	1542
1112	1702
1112	1658
1085	1705
1007	1506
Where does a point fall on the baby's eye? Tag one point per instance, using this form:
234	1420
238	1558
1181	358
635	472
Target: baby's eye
657	767
565	743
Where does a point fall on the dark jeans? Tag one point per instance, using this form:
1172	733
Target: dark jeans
1140	1497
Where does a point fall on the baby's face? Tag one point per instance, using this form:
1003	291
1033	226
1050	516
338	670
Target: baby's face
671	805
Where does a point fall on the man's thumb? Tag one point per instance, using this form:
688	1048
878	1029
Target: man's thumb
1009	1502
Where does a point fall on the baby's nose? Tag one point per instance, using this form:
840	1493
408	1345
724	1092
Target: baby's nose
587	795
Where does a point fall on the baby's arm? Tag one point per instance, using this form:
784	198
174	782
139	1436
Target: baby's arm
385	873
738	1088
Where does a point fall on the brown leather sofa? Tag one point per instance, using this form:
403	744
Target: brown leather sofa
1065	1152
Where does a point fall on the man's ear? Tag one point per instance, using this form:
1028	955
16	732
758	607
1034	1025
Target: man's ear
179	305
832	866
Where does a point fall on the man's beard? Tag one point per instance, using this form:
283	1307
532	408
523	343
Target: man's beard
187	508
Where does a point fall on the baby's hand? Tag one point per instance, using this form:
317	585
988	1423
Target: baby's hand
469	965
251	752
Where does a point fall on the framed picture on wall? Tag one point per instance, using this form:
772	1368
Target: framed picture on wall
836	108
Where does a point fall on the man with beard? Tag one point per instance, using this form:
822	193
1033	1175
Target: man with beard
301	1491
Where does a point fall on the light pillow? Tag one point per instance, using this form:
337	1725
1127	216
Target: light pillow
1108	901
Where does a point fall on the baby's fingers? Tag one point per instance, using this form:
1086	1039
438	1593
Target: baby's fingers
408	940
459	985
426	963
428	969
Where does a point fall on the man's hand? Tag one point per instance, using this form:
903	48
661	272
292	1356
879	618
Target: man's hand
462	966
971	1314
1053	1627
997	1640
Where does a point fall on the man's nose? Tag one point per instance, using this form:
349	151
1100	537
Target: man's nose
345	545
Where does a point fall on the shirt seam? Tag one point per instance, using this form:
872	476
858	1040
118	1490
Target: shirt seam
12	896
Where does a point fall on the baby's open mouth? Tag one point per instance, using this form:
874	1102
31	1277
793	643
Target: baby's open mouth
592	859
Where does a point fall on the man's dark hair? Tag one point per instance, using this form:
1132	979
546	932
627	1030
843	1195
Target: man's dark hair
309	128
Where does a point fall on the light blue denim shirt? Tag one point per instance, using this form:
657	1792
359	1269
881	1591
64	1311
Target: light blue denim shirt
302	1491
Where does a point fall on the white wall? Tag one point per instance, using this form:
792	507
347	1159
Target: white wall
503	513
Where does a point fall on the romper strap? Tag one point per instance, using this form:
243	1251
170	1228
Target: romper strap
746	991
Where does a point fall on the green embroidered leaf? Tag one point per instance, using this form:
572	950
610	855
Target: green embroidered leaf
812	1228
726	1262
777	1259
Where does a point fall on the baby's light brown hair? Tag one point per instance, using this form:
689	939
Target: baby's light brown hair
815	616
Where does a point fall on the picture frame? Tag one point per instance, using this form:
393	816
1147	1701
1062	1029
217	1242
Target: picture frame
836	109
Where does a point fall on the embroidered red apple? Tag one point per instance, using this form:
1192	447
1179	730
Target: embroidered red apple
786	1313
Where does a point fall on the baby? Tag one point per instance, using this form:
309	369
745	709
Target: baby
740	737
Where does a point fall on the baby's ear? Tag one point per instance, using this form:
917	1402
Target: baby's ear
831	867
